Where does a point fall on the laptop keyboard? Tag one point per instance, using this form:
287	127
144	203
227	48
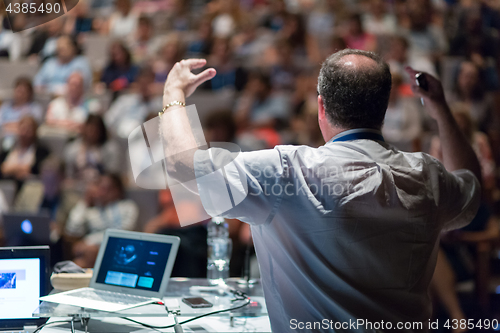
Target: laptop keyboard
110	297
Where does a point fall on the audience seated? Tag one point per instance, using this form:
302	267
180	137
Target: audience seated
259	106
129	110
22	104
103	206
403	121
470	89
54	73
123	21
23	159
281	43
229	74
92	153
144	45
120	71
67	113
44	43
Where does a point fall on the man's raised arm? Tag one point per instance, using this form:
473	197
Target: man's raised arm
180	139
457	151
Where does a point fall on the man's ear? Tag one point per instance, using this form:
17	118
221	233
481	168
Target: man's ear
321	109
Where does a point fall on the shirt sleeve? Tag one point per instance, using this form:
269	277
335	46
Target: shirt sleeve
459	198
244	186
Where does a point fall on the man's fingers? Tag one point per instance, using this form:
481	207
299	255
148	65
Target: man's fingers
194	63
411	71
206	75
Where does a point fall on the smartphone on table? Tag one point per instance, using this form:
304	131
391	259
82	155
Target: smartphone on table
197	302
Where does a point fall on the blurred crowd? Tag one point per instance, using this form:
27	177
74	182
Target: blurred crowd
99	72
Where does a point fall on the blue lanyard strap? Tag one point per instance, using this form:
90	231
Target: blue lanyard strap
360	136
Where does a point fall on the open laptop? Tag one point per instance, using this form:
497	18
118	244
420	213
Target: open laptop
132	269
24	229
24	278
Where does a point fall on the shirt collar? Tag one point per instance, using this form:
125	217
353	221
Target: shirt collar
357	134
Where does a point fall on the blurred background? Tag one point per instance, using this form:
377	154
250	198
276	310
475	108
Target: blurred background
73	89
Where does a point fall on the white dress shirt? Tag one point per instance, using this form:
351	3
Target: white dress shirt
345	231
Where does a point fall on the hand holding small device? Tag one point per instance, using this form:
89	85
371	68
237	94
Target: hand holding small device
421	81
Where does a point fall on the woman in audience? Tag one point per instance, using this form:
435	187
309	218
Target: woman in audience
103	206
23	160
54	74
92	153
123	21
22	104
69	112
120	71
170	53
469	89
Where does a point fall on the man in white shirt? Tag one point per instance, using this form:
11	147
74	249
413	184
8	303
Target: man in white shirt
346	234
103	207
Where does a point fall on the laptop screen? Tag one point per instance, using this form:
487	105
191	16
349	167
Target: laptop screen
19	287
134	263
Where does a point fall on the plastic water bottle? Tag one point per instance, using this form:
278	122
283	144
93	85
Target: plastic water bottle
219	251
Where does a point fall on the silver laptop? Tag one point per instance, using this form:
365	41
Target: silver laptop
25	229
132	269
24	277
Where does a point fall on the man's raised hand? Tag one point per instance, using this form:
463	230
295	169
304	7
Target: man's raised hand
181	81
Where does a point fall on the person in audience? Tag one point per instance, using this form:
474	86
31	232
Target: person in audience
169	53
356	37
24	158
259	106
103	206
144	44
130	110
79	21
54	74
192	254
377	20
284	72
398	58
120	71
425	39
403	122
202	43
227	16
92	153
229	74
69	112
44	42
22	104
123	22
469	89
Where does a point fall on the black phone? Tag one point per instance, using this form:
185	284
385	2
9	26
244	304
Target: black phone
421	81
197	302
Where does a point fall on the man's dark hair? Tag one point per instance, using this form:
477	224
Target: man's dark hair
355	97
